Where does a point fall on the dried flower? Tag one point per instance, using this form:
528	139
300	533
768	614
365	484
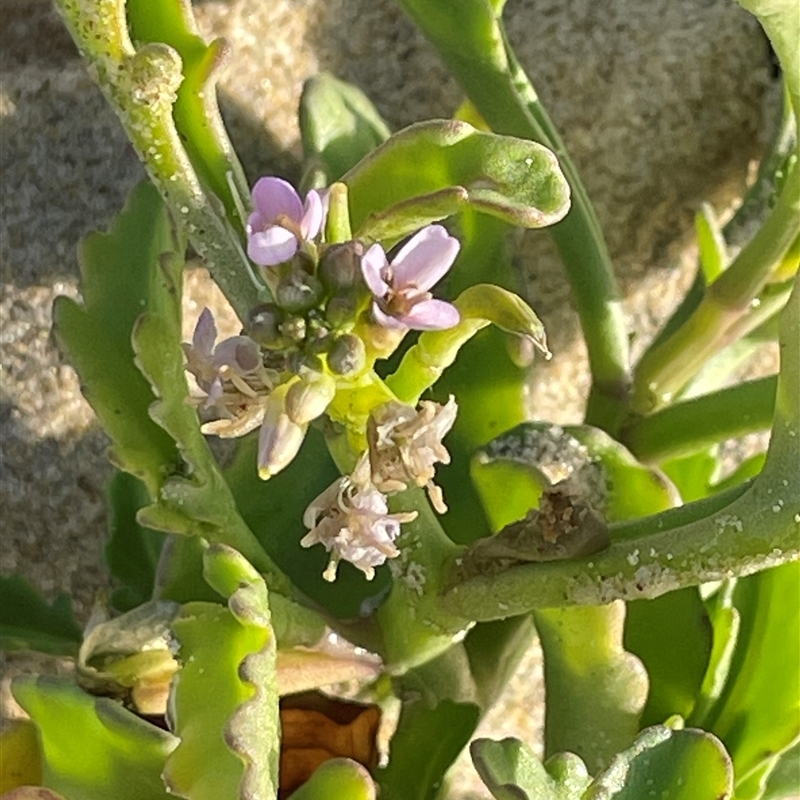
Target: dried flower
405	444
400	289
351	519
281	221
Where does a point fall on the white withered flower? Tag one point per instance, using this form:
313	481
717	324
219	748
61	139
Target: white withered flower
351	520
405	444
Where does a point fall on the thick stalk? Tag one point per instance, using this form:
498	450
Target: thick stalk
473	46
668	367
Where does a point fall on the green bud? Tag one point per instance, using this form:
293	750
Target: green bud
347	355
264	325
340	310
308	397
298	291
294	328
340	266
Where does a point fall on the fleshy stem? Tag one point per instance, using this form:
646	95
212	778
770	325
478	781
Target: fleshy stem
668	367
739	531
689	426
471	41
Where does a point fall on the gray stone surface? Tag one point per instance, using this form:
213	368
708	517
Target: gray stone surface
661	103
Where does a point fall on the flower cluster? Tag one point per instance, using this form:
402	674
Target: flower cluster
335	308
350	518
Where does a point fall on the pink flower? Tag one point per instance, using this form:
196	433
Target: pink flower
281	221
351	519
400	289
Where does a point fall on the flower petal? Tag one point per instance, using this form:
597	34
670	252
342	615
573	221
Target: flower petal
373	263
238	352
425	259
272	246
275	196
205	334
386	321
431	315
313	215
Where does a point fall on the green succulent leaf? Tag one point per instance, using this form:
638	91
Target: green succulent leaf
757	714
438	167
337	779
224	699
671	764
427	741
757	523
133	551
595	689
126	756
28	622
672	636
338	126
163	92
121	278
511	771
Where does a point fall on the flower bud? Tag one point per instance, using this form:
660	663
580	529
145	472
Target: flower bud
340	310
280	438
340	266
308	397
264	325
347	355
294	329
298	291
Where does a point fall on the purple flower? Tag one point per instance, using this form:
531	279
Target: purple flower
400	289
281	221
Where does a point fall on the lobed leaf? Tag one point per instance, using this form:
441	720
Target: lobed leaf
120	279
224	700
127	754
671	764
511	771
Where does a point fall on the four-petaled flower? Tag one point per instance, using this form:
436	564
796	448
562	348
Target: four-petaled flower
281	221
405	444
351	519
400	289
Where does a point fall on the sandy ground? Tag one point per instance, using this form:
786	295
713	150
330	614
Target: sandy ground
662	104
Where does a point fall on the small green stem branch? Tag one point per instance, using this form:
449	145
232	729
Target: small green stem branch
472	44
703	421
668	367
737	532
